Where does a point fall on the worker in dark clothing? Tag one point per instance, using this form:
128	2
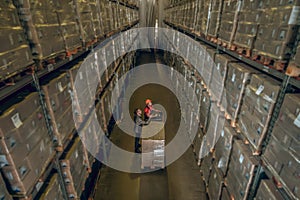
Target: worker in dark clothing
148	111
138	124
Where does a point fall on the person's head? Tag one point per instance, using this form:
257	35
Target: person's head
148	102
138	112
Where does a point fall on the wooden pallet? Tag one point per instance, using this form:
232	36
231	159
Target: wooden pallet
293	70
73	51
226	44
274	63
212	38
245	51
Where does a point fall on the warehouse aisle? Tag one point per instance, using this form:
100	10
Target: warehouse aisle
180	180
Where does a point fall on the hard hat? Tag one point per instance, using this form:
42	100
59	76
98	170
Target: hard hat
148	101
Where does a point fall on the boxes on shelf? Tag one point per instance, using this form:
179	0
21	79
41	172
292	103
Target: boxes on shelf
15	54
215	126
283	165
214	19
83	9
267	190
59	104
241	170
282	152
205	163
208	65
204	110
257	108
223	148
25	146
42	28
277	32
217	83
238	76
215	183
75	169
229	21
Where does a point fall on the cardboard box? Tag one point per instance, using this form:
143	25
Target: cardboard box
241	170
238	76
223	148
215	184
268	190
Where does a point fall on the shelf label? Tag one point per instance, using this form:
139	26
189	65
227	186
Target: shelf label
241	159
233	77
59	86
50	67
259	90
297	121
16	120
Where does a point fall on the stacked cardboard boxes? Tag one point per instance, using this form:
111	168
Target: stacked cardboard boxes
15	53
84	13
215	183
204	110
40	22
59	104
25	147
241	170
75	167
216	124
257	108
282	152
267	190
214	17
230	12
70	29
278	29
217	84
238	77
248	24
223	148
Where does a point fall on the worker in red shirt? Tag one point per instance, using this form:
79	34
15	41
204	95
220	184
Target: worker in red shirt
148	110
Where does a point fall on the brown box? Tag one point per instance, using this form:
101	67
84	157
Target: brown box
229	20
215	183
268	190
241	170
15	116
76	165
205	167
238	77
219	76
223	148
258	103
289	115
15	60
204	110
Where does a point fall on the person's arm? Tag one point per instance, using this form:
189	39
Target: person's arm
140	122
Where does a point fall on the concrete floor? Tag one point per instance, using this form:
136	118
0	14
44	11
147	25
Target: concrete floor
180	180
